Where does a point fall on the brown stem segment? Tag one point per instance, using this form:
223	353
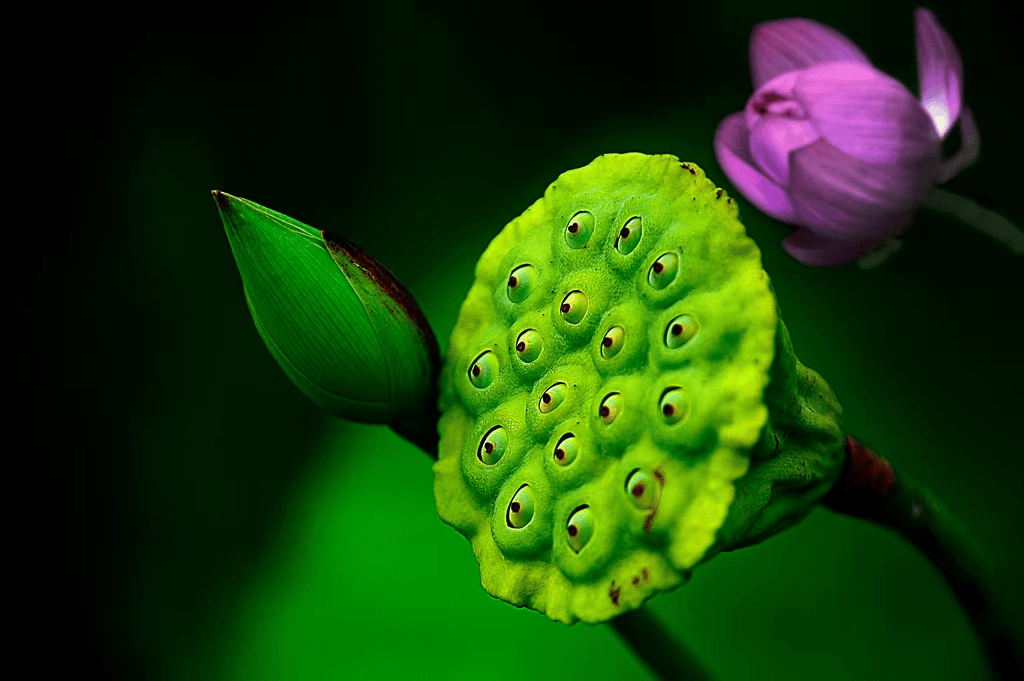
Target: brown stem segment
869	489
651	642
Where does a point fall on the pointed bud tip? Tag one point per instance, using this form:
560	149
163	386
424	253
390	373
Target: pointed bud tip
335	243
221	199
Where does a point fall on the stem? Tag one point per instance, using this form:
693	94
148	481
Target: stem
869	489
982	219
651	642
421	429
872	260
970	145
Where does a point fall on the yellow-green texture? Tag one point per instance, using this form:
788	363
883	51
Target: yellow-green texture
638	441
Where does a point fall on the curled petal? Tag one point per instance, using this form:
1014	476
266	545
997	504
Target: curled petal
816	250
867	114
838	196
732	149
792	44
940	71
772	141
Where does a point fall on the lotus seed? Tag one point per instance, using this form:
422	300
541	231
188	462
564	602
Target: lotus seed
613	341
493	446
672	405
680	331
521	283
552	398
611	405
520	509
629	236
574	307
566	450
579	528
529	345
579	229
642	489
483	370
663	271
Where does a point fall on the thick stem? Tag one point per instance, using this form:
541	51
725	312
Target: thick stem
651	642
869	489
982	219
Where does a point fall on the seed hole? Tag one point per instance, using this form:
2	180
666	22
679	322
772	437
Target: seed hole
610	407
484	369
680	331
552	398
493	446
664	270
528	345
642	489
673	405
613	342
566	450
521	283
574	307
629	236
579	528
520	509
580	229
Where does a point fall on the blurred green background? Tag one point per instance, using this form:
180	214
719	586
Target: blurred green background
219	527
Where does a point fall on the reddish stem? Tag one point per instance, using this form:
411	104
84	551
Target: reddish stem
869	488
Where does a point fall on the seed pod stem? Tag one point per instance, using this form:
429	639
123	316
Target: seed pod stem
664	655
982	219
870	489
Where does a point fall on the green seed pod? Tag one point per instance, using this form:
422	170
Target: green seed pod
345	331
666	419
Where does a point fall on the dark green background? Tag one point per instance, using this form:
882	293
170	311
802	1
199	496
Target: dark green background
217	526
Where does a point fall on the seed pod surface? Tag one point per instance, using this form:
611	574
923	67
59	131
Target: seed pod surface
624	437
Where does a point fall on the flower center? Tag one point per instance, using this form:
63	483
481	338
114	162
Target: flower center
771	103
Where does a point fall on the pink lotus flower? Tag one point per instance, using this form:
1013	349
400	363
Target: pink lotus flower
832	145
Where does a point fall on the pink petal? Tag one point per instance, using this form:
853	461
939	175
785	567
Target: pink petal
733	154
792	44
816	250
940	71
774	138
774	98
842	197
867	114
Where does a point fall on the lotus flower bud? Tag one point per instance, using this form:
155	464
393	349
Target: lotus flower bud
620	399
346	332
835	147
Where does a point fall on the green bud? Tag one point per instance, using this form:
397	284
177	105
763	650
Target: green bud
342	327
661	419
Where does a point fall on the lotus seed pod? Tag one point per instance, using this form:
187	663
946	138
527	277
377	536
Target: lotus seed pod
648	406
345	331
